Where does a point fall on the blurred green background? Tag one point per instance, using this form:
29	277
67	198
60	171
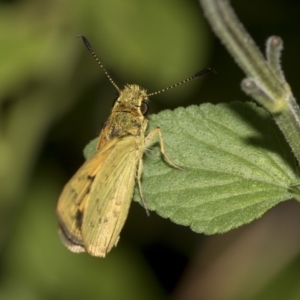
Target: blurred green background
54	100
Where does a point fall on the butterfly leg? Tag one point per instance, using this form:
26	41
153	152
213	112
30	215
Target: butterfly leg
139	175
155	135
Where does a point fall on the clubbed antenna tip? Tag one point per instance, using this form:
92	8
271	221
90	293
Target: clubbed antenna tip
89	47
197	75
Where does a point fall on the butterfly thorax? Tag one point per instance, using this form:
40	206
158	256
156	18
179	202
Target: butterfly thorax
128	115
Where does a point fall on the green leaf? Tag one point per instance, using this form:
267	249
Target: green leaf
237	166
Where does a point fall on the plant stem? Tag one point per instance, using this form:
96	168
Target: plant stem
265	81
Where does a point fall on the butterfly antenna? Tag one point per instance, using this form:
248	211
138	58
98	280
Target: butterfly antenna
197	75
89	47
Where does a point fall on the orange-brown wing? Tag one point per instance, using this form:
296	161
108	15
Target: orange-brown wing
72	201
110	197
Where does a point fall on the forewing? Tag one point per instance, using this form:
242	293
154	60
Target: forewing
72	201
110	197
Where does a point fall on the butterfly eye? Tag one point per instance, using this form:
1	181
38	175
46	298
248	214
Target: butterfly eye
144	108
114	102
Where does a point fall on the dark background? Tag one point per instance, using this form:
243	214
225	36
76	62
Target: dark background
54	100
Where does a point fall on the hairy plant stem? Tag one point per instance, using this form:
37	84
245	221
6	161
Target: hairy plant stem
265	81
